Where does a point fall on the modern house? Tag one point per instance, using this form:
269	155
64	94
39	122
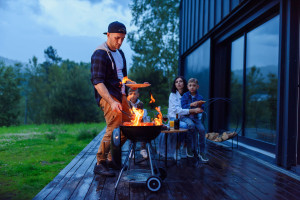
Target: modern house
247	51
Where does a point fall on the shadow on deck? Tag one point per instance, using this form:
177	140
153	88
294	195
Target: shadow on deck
228	175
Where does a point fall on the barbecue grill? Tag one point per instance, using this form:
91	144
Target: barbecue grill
153	177
141	133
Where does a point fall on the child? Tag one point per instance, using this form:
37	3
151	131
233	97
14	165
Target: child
189	100
132	97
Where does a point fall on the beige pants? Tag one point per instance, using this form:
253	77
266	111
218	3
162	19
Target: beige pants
113	120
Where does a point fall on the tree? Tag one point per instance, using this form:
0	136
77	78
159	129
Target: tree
60	92
9	95
72	99
271	88
159	87
51	55
155	42
255	106
236	96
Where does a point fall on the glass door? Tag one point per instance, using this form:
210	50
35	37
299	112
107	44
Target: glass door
254	82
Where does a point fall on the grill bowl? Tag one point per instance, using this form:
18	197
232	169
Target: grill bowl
141	133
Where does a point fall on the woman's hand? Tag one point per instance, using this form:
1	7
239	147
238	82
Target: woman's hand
196	110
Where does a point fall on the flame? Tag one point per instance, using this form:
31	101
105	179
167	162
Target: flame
158	120
152	99
139	113
141	124
125	79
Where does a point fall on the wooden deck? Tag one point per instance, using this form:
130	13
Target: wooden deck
228	175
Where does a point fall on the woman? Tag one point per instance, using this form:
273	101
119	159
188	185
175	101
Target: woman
178	89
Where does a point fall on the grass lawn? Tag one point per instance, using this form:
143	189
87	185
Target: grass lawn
32	155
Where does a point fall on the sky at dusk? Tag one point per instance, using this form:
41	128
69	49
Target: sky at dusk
73	27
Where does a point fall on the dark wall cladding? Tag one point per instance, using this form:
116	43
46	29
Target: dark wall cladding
200	16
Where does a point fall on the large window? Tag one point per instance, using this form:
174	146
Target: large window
260	89
236	84
197	66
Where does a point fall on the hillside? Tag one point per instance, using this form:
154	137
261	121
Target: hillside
8	62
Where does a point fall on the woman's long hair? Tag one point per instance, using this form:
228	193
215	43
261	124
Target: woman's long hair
174	89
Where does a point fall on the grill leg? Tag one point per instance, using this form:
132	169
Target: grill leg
132	155
166	150
150	159
124	165
154	159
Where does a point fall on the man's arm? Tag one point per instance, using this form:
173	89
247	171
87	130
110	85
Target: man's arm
102	90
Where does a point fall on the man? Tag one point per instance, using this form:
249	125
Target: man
108	67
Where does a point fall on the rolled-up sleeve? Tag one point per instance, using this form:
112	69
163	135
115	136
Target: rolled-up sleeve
98	67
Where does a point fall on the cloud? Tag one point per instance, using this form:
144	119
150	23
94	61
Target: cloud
73	27
81	18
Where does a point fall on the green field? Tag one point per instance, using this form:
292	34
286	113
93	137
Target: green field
32	155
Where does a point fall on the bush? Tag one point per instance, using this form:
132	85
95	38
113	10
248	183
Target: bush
51	136
87	134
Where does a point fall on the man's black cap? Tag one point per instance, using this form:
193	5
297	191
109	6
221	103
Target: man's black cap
116	27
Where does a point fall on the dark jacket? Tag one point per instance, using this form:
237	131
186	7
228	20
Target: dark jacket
187	99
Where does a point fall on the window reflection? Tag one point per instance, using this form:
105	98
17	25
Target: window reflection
197	66
236	84
261	81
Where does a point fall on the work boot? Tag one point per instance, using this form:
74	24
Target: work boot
102	169
110	164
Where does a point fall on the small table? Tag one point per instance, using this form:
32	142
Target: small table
167	132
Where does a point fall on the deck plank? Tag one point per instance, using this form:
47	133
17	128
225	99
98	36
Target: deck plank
256	177
228	175
108	191
85	183
96	188
72	185
45	192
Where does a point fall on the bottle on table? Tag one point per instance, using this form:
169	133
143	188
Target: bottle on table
176	122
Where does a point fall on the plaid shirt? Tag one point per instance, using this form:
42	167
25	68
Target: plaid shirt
102	71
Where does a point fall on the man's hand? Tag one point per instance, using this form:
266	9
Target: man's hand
102	90
116	106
